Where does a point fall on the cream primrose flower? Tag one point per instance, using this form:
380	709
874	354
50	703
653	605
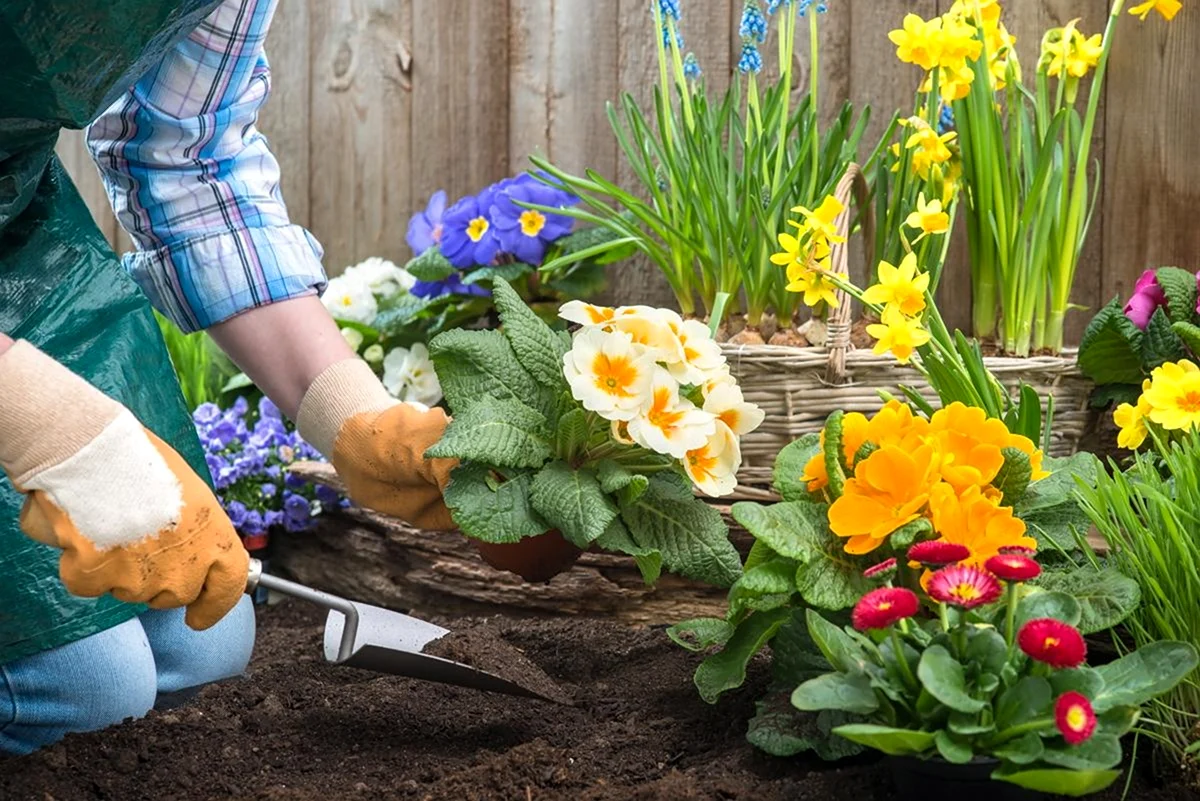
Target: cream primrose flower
349	298
727	403
669	424
408	375
585	314
713	467
701	354
653	329
608	373
383	276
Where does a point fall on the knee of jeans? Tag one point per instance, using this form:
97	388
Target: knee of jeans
185	658
89	684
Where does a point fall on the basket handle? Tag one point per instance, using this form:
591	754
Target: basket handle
853	186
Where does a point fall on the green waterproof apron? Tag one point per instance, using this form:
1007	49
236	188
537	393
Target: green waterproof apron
62	62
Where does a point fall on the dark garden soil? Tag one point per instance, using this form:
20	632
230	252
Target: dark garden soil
298	729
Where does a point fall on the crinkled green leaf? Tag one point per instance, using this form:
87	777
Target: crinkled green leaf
537	347
690	534
1049	508
473	366
499	514
1106	596
781	730
1190	335
795	529
767	586
430	266
614	477
789	467
1144	674
616	538
1160	343
701	633
832	579
1014	475
1179	288
942	677
1111	349
726	669
1108	395
795	657
496	432
572	501
571	434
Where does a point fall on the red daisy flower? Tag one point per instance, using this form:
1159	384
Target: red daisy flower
1018	549
935	553
1013	567
882	571
967	587
1053	642
1074	717
880	608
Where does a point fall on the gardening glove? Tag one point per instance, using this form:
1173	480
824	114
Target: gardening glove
131	517
377	444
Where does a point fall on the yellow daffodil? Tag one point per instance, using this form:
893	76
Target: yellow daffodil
928	217
928	147
918	42
898	334
821	223
958	44
713	466
1068	53
955	83
1174	396
1132	422
669	424
1168	8
900	287
965	9
609	374
815	285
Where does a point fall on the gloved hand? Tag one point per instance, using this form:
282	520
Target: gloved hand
377	444
131	517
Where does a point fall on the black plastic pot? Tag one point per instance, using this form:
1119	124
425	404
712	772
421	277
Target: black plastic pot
926	779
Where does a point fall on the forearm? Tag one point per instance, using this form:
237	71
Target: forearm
283	347
5	343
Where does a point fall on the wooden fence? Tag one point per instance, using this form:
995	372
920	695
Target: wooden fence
378	103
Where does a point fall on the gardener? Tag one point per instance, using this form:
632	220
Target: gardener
94	436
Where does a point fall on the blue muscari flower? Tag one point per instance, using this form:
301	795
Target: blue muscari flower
751	59
945	119
754	24
773	5
666	36
691	67
669	8
804	5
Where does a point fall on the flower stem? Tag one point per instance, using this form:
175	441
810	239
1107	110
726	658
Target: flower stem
1010	615
1013	732
901	660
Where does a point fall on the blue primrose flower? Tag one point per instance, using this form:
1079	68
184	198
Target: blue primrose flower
691	67
524	232
467	236
754	24
451	285
751	59
425	227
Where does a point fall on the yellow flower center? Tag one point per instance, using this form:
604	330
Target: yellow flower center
532	222
1190	401
1076	718
660	415
1050	643
730	418
477	228
885	605
614	375
347	300
966	591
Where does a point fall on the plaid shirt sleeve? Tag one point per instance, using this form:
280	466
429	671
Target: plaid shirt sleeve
194	183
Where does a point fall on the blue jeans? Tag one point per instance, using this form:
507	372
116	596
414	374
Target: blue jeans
119	673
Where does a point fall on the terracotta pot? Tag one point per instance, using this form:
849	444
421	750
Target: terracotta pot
535	559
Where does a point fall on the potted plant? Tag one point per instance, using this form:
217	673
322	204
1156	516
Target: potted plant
594	440
990	694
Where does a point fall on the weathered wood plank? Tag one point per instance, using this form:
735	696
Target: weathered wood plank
460	79
77	161
360	175
286	119
1152	174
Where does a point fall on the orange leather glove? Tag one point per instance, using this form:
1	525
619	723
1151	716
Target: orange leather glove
131	517
377	444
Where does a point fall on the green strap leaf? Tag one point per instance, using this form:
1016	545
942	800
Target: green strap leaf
886	740
572	501
492	513
499	433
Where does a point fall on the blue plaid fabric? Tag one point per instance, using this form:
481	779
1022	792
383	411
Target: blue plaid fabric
193	181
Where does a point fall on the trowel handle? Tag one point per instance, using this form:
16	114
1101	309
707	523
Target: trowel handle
257	578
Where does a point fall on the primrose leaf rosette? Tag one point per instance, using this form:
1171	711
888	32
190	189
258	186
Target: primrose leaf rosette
607	435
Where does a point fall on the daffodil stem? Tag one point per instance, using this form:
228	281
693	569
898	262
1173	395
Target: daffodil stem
901	660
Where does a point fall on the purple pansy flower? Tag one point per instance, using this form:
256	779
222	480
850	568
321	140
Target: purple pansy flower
425	227
525	232
467	235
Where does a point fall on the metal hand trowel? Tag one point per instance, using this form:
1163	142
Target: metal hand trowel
370	638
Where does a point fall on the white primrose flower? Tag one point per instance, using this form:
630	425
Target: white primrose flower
608	373
408	375
669	424
713	466
585	314
349	298
353	337
654	329
383	276
701	354
726	402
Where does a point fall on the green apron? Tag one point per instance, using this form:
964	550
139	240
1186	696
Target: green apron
61	286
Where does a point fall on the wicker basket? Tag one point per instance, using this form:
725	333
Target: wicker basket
799	388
